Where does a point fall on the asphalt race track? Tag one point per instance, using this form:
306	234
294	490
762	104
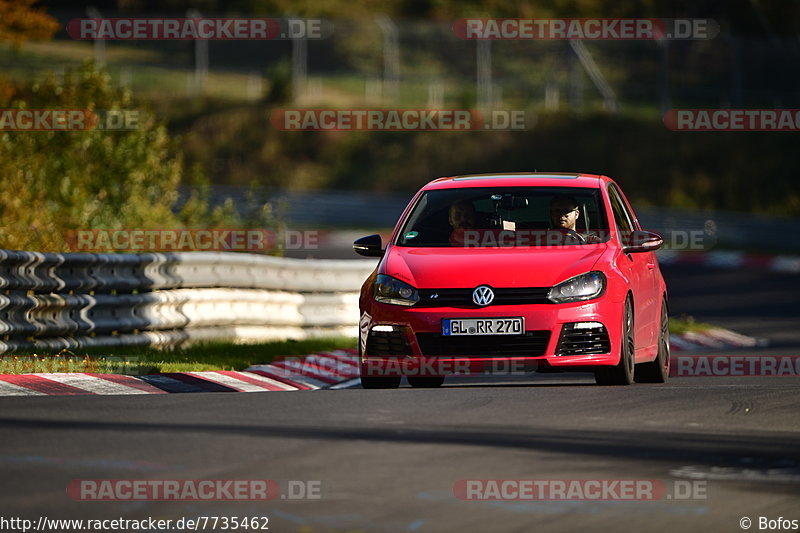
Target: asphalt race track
751	301
390	460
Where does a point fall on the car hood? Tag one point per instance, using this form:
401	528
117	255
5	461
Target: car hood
451	268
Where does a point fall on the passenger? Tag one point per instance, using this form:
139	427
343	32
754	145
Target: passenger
462	218
462	215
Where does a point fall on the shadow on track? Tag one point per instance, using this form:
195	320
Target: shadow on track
759	451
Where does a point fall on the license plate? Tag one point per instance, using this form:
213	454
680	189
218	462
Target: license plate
483	326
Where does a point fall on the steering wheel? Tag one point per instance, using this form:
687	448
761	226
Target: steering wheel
580	239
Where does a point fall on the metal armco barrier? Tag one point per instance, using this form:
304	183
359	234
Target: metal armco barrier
54	301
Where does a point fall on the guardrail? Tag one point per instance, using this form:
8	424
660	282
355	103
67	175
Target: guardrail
54	301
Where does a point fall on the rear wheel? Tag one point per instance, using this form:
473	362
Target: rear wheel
622	374
370	382
427	382
657	371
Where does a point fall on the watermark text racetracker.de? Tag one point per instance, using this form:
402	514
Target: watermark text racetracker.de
615	29
97	490
672	239
177	240
216	29
399	120
70	119
736	366
579	489
732	120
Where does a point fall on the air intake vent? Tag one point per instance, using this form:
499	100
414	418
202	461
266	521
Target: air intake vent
583	338
388	343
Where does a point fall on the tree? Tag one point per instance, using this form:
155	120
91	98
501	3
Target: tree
20	22
57	181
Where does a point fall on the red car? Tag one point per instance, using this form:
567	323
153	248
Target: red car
514	272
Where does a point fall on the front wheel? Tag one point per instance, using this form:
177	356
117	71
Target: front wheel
377	382
622	374
657	371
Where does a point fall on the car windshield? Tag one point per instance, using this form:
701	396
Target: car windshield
505	216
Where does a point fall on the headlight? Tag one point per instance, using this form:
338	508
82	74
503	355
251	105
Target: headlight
583	287
389	290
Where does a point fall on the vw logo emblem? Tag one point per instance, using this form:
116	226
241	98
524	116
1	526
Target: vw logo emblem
482	295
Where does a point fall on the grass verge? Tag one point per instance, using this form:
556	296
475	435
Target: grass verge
685	324
142	361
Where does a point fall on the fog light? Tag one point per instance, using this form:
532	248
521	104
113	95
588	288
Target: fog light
586	325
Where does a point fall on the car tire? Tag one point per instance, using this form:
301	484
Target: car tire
369	382
426	382
377	382
657	371
622	374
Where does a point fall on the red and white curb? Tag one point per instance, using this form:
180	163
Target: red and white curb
336	369
731	259
317	371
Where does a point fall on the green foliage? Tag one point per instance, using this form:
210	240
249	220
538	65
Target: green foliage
280	79
686	324
56	181
20	21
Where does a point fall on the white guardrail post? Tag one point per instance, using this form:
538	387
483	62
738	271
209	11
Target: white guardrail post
54	301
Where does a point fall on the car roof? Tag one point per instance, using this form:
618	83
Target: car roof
519	179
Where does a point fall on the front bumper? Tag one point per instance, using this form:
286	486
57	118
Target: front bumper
415	345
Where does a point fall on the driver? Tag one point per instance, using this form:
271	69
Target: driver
564	215
564	212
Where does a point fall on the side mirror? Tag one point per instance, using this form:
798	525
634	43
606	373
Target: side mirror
369	246
642	241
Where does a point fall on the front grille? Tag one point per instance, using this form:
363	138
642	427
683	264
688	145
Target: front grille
584	341
530	344
463	297
388	343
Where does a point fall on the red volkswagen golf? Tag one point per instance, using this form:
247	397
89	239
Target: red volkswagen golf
514	272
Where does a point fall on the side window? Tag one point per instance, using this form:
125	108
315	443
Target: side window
627	208
621	216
